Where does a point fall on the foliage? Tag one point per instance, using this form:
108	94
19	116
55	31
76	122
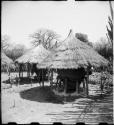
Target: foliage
46	37
104	48
95	78
84	38
110	31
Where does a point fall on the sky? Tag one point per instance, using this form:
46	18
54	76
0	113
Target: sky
22	18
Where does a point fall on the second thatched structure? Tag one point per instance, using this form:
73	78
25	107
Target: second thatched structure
32	57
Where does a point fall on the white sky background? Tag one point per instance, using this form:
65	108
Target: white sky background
21	18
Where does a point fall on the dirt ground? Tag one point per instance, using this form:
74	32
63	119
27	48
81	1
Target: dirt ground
31	103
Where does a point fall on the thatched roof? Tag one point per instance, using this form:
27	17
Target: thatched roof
35	55
5	60
73	53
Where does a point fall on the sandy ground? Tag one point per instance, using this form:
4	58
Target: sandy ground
26	104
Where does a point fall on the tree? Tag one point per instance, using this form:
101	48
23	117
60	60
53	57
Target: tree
84	38
45	37
15	51
104	48
5	42
109	33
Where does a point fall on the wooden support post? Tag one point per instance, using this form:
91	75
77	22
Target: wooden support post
27	69
57	87
65	86
42	78
22	70
19	73
101	83
18	81
77	87
30	70
8	70
31	80
84	82
48	74
52	79
87	82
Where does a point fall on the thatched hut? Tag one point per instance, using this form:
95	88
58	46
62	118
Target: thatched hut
32	57
71	56
35	55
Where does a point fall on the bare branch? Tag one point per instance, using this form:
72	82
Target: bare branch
44	37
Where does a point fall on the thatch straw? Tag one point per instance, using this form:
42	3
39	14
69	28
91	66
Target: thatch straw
74	53
35	55
5	60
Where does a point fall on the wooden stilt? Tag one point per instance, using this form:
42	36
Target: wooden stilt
87	82
8	69
19	70
42	78
84	82
65	89
27	70
31	80
18	81
48	75
52	79
57	84
65	86
77	87
22	70
28	66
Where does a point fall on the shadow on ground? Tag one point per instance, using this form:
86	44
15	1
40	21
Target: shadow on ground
41	94
23	80
46	95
